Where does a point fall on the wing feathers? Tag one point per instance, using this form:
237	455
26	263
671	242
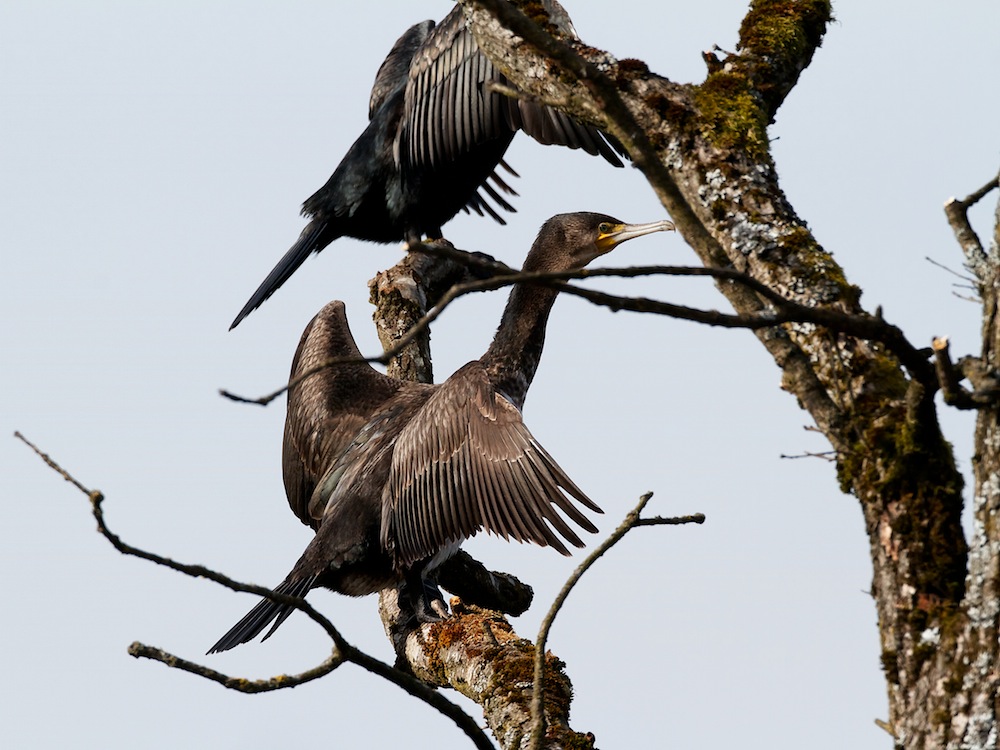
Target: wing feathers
450	109
467	462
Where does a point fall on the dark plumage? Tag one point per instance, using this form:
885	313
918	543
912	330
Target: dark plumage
436	133
395	474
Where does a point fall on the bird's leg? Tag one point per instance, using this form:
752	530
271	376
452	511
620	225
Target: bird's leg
424	597
415	237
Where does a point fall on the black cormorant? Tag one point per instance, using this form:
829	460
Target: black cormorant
396	474
436	133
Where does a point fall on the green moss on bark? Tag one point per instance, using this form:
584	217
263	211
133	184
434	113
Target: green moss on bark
731	115
898	463
784	28
779	38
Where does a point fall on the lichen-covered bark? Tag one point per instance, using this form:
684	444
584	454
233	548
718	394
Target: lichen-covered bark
974	684
401	295
478	653
705	151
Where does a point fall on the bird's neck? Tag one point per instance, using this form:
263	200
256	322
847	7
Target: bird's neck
513	357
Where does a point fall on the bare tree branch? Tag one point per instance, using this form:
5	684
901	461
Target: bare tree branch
632	520
240	684
948	375
957	212
780	311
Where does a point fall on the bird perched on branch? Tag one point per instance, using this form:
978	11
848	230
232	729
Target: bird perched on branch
396	474
437	132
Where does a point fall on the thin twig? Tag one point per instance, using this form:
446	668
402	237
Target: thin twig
870	327
96	498
195	571
632	520
239	684
825	455
969	280
674	521
52	464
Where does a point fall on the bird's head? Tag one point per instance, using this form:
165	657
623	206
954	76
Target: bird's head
570	241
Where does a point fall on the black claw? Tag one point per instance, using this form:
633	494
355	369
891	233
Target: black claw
425	599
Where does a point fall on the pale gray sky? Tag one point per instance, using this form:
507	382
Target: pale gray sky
154	158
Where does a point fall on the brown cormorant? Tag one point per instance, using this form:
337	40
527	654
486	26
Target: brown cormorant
436	133
396	474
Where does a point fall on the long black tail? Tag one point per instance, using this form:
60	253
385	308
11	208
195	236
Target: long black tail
313	239
260	616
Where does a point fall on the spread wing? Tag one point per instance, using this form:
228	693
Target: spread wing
450	109
326	410
467	462
392	74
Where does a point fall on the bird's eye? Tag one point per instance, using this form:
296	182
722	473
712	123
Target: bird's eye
604	228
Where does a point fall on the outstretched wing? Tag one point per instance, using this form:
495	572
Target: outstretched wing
392	74
467	462
450	108
326	410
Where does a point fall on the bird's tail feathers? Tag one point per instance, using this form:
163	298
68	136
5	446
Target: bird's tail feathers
307	243
261	616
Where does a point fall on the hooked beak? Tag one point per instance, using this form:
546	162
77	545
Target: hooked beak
619	233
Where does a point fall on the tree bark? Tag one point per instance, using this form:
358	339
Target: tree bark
970	672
